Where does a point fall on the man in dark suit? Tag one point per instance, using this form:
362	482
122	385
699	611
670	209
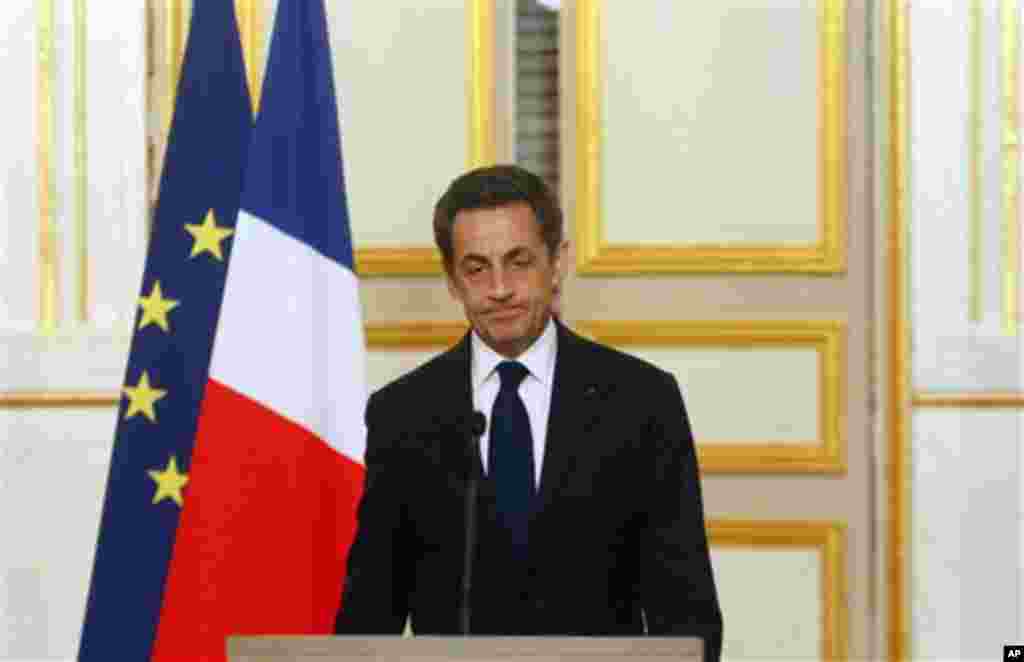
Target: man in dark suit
589	516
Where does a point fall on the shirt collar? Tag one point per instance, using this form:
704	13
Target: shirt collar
539	358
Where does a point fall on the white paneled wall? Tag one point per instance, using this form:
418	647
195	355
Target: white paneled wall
750	582
19	235
965	526
54	465
75	109
965	546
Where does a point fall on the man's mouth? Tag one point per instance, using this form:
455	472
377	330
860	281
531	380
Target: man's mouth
506	314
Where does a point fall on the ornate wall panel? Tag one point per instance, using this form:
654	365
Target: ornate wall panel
26	152
54	468
437	59
962	157
745	175
801	362
966	541
70	259
109	140
28	240
965	217
396	172
73	266
805	561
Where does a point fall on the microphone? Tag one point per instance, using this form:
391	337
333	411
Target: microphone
474	429
477	425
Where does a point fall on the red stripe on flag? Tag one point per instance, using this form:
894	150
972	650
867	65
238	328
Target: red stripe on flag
268	519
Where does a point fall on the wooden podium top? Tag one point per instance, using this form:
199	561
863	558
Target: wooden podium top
464	649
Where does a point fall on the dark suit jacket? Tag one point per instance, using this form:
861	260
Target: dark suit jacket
617	540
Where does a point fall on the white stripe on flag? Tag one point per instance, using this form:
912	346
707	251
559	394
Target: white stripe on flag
290	335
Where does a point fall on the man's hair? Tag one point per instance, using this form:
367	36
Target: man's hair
496	186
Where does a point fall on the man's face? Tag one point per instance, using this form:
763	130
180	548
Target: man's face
503	275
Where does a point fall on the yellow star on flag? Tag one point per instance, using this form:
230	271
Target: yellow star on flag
142	397
169	482
208	237
155	308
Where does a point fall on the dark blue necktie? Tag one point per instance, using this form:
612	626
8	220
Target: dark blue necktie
510	460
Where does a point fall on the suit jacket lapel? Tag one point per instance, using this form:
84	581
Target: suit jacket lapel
455	402
575	400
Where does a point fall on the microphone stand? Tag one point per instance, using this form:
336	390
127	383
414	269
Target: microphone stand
476	427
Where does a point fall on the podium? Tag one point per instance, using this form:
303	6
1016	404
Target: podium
462	649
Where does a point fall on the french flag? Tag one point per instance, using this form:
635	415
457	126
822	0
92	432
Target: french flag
269	488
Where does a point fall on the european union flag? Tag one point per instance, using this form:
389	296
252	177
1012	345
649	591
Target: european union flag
179	305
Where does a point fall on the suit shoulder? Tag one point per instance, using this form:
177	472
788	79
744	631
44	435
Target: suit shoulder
421	381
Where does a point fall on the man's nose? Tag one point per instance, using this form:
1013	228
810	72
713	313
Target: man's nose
499	285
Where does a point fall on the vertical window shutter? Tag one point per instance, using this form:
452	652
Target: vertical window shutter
537	103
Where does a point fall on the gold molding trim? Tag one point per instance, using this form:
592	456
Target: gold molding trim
897	548
480	92
978	400
414	335
414	261
252	30
426	260
81	156
49	275
1011	167
178	13
827	256
824	456
173	18
829	538
48	399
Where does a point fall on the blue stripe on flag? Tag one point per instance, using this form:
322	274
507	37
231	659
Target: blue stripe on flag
203	170
295	180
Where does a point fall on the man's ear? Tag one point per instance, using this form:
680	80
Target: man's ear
561	264
450	282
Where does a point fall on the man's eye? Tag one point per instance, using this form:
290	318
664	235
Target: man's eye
522	263
474	270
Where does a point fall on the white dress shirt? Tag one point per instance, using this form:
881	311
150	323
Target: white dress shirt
535	389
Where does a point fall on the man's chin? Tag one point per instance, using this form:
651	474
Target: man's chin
507	344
